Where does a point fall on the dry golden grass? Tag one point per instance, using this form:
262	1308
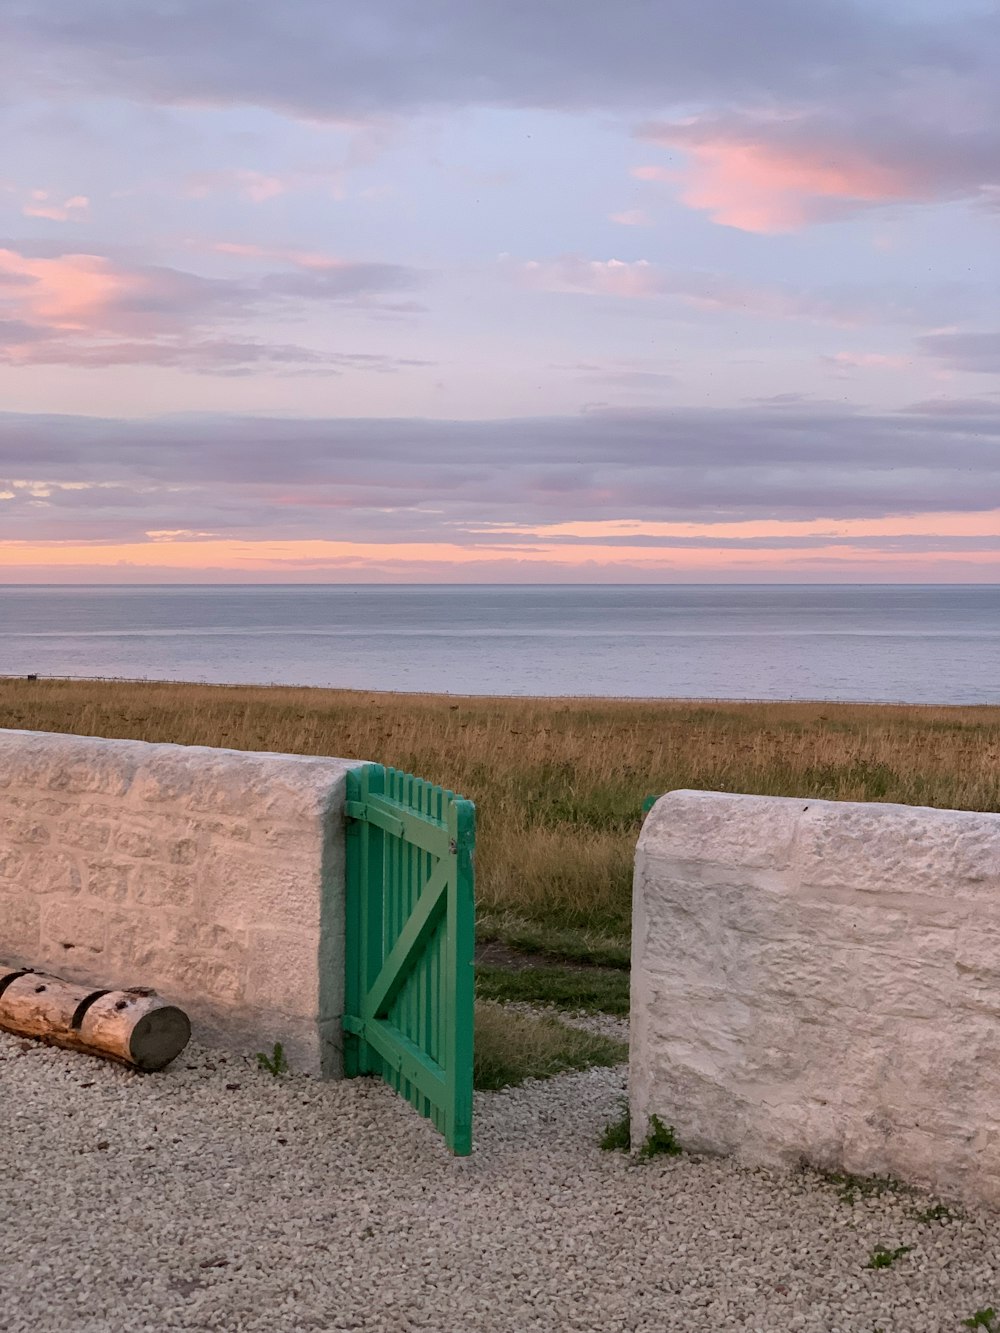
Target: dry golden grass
559	783
513	1046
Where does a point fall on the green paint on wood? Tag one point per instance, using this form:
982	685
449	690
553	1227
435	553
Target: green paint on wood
410	982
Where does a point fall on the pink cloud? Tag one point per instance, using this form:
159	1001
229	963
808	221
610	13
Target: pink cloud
640	279
88	310
259	187
632	217
41	204
253	185
71	292
307	259
868	361
780	173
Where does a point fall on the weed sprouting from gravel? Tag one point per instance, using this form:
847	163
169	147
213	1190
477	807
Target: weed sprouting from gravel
661	1141
617	1136
851	1188
983	1319
276	1064
882	1258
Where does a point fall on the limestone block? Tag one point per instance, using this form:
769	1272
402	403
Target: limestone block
164	885
701	827
61	763
49	871
20	919
851	846
87	834
229	782
107	880
244	885
20	829
12	863
76	924
282	972
836	1000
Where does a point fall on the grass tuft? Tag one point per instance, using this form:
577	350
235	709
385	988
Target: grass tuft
881	1258
512	1047
276	1063
986	1318
851	1188
938	1212
617	1136
660	1141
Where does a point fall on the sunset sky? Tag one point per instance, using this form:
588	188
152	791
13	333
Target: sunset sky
519	291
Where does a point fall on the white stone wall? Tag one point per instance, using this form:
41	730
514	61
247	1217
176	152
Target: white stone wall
818	981
216	876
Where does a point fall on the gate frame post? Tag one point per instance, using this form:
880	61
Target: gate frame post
462	981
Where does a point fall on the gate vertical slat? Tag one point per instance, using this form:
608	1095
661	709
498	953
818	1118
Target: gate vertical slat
357	860
411	935
373	900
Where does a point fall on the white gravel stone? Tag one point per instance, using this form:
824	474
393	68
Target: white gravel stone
142	1204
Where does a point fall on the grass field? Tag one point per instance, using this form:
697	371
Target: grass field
559	784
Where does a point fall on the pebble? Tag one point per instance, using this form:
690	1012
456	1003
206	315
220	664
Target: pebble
178	1201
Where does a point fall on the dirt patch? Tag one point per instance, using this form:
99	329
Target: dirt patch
494	953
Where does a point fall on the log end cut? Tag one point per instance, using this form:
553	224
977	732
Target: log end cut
158	1037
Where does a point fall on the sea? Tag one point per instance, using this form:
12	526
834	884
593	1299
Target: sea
910	643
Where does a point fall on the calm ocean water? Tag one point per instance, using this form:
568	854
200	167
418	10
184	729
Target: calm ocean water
918	644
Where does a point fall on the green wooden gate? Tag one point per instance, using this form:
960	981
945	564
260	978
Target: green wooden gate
410	941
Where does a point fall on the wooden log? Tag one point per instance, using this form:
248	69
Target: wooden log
135	1027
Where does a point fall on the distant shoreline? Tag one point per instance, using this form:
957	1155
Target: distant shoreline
680	701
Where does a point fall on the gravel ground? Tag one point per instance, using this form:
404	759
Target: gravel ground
212	1196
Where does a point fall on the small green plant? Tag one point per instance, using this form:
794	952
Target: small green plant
881	1258
983	1319
851	1188
938	1212
661	1140
275	1063
617	1136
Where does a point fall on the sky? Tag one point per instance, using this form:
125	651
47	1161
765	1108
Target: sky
526	291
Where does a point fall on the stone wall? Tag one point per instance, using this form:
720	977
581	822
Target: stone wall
818	981
216	876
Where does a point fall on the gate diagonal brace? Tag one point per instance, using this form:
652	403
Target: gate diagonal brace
411	940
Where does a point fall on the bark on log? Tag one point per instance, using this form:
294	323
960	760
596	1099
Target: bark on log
135	1027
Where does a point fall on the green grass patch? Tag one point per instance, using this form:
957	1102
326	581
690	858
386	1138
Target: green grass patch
660	1141
592	989
882	1258
937	1212
575	945
512	1047
617	1136
986	1318
851	1188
